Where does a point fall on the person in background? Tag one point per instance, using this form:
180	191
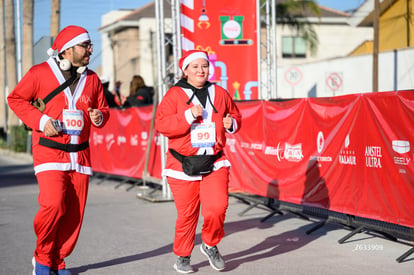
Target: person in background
139	93
195	115
61	155
117	93
109	96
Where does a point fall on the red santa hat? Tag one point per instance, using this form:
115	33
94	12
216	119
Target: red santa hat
192	55
68	37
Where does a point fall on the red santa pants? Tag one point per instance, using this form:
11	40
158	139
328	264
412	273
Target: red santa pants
212	193
62	199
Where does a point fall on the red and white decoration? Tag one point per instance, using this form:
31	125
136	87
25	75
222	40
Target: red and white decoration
227	31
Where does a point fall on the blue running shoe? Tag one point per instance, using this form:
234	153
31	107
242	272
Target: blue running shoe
63	272
39	269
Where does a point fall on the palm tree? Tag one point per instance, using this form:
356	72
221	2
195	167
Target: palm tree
55	18
11	65
27	35
293	13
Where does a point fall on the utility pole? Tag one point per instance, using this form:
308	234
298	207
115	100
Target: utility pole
28	50
3	106
376	42
55	18
408	22
18	41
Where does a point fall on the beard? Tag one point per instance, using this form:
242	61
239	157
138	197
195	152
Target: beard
81	61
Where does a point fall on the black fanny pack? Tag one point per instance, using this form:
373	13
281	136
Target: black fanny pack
196	165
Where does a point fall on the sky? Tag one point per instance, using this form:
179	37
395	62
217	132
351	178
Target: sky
342	5
85	13
88	13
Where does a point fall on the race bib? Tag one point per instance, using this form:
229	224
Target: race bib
203	134
72	122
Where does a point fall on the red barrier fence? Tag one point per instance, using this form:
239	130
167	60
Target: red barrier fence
120	147
350	154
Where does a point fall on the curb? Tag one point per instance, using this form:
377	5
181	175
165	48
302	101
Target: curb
17	155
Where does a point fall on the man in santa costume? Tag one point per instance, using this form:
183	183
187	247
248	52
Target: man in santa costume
60	148
196	115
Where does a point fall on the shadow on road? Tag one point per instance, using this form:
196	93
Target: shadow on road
122	260
13	175
269	247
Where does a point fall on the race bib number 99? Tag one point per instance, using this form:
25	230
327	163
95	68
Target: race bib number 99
203	134
72	122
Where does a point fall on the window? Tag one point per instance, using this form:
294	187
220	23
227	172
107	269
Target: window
293	47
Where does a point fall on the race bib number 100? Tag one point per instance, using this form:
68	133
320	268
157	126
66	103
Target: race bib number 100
72	122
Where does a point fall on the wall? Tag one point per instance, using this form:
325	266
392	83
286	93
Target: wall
127	57
348	75
333	42
147	50
106	51
393	26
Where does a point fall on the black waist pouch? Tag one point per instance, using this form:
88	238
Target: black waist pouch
196	165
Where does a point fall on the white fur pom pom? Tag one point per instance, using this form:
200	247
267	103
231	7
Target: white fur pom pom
50	51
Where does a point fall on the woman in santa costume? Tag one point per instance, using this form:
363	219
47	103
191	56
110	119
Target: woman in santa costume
60	148
195	115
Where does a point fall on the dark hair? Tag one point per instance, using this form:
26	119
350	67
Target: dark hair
136	83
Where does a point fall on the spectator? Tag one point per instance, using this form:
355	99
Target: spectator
117	92
139	93
109	96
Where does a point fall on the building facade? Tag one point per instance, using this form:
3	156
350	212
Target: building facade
129	39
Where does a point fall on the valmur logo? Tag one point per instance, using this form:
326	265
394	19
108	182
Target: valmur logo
347	155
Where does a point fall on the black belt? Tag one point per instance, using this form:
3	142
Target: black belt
69	148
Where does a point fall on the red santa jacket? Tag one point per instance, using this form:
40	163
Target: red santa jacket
38	82
173	119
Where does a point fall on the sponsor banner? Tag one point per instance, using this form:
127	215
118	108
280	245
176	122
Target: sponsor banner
120	147
351	154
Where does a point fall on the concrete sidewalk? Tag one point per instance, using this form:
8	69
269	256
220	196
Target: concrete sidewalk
123	234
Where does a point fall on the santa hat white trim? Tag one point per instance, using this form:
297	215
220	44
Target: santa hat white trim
193	57
76	40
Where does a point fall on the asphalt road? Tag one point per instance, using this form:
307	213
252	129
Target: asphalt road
123	234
